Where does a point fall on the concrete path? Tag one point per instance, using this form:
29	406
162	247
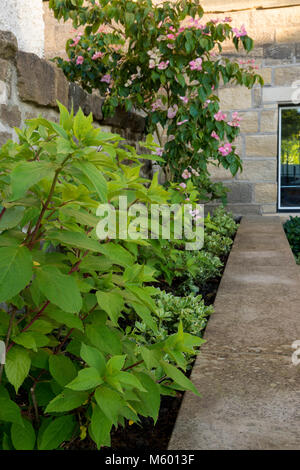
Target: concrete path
249	385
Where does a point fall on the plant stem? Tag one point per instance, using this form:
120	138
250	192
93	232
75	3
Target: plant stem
2	212
45	206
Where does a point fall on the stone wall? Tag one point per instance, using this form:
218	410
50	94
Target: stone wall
30	86
275	27
25	19
255	189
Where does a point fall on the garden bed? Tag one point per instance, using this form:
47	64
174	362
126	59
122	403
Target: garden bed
147	436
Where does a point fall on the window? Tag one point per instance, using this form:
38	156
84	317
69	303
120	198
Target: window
289	158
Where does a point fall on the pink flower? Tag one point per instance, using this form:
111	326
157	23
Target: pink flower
214	135
157	105
186	174
106	78
182	185
185	99
219	116
241	32
196	64
171	46
182	122
227	19
163	65
79	60
97	55
151	64
235	122
159	151
172	111
225	149
171	36
68	59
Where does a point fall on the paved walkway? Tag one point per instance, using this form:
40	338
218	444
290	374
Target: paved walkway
250	388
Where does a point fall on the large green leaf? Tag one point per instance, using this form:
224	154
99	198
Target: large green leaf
26	174
66	401
15	270
69	319
87	378
58	431
112	303
100	427
75	239
178	377
23	437
93	357
95	177
105	339
17	366
9	410
59	288
11	218
110	402
62	369
150	400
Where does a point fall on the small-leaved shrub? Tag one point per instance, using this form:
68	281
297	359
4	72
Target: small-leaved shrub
292	230
171	310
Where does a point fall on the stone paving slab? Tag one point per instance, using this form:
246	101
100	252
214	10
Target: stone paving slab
250	388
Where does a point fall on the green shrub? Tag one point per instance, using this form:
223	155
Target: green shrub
164	60
70	366
292	230
171	310
221	222
217	244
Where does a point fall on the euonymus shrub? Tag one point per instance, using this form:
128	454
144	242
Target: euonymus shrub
71	368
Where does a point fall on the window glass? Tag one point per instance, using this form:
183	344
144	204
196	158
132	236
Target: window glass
289	171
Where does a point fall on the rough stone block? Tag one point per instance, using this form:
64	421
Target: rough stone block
286	75
10	115
257	97
36	80
266	73
88	103
235	98
261	145
239	192
269	208
273	53
4	136
277	94
249	123
61	87
266	193
8	45
269	120
3	92
259	170
219	173
4	70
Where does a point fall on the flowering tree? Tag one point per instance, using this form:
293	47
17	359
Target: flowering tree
162	60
